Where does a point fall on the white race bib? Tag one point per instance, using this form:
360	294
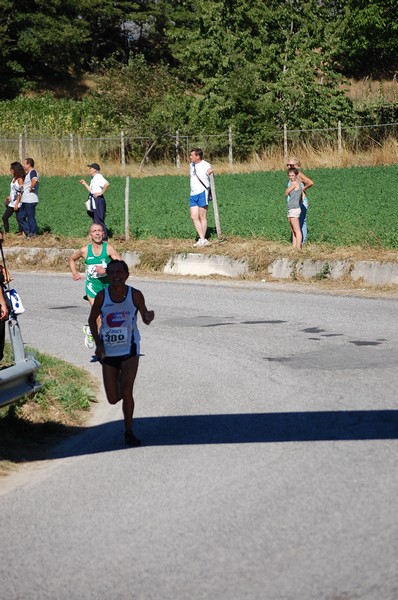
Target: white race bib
113	336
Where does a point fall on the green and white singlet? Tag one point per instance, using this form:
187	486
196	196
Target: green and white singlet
94	282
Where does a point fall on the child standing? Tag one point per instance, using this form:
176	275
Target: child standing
295	197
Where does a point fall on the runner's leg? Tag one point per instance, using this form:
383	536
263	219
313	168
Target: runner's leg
128	374
110	376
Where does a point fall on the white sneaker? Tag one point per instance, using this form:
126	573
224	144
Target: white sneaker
201	243
88	338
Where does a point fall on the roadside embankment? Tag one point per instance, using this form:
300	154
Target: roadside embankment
370	272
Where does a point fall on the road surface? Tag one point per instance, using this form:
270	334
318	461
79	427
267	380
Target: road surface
270	425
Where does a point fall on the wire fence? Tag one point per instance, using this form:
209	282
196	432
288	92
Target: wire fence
124	148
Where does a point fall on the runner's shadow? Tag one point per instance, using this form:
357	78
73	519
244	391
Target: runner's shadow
268	427
257	428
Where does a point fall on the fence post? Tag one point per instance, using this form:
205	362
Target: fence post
230	154
339	143
71	147
178	160
26	140
126	208
122	150
285	141
20	148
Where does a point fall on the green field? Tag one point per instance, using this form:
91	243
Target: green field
355	206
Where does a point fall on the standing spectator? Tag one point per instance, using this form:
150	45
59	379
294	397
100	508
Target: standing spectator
30	198
13	201
295	194
96	189
306	183
3	305
199	172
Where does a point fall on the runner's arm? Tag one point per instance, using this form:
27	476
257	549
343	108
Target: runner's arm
146	315
112	253
81	253
92	322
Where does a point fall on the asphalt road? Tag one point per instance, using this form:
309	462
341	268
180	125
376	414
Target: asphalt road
270	426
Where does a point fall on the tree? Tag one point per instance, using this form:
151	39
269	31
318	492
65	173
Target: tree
41	40
47	40
368	37
136	96
258	65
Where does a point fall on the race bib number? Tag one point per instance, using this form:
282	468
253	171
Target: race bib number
92	271
115	336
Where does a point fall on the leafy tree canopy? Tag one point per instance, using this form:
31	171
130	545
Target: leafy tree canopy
368	41
204	65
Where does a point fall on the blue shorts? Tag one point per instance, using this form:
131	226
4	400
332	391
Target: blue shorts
198	200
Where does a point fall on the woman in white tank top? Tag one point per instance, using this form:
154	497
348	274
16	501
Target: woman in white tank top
13	201
118	342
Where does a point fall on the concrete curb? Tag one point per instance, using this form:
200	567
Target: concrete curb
199	264
370	272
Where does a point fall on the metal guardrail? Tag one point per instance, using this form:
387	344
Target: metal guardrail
19	379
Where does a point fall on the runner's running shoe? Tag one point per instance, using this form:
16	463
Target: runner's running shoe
88	338
131	440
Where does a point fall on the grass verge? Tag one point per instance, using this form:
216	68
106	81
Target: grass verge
38	421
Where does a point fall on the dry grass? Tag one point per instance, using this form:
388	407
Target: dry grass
366	90
328	156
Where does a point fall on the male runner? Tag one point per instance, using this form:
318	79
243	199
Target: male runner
96	256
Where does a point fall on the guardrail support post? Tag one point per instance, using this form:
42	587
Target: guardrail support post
19	379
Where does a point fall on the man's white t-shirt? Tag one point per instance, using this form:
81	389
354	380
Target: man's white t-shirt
201	169
97	184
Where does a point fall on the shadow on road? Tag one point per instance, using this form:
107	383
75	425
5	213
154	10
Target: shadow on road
229	429
269	427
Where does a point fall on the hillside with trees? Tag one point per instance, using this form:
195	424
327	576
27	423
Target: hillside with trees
154	66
